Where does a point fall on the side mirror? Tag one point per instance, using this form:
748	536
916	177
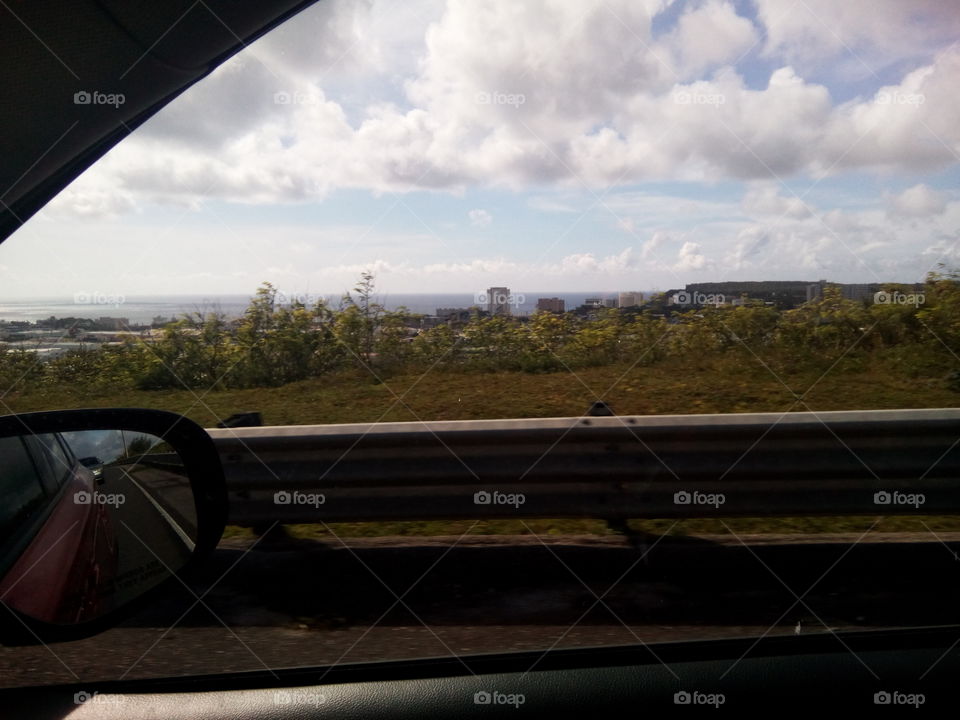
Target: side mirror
97	508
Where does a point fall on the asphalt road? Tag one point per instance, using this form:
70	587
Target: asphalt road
291	603
150	541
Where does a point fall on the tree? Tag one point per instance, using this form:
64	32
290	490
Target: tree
357	320
281	344
439	345
599	341
194	351
830	324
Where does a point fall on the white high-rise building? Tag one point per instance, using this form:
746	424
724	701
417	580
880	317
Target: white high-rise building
630	299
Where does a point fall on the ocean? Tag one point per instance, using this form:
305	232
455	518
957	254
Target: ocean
143	309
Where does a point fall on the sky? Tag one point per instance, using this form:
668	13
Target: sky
454	145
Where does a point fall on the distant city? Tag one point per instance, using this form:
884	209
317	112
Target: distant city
68	329
782	294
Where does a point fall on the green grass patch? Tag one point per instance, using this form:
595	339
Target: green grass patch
729	385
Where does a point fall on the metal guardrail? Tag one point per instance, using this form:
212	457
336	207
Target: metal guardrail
831	463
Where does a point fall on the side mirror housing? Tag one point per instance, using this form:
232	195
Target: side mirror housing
98	508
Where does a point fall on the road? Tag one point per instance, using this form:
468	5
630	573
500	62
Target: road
150	533
285	602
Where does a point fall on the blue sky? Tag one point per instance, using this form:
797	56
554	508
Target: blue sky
451	145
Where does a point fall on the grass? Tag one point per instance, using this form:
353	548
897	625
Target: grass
728	385
549	527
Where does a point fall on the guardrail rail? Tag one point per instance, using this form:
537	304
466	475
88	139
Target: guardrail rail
832	463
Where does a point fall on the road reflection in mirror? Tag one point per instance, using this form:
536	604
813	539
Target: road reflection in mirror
89	521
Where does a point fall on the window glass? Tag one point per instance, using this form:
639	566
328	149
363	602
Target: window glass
52	461
451	210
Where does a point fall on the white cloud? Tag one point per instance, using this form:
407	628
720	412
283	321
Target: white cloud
706	37
521	95
480	218
570	103
764	199
658	240
917	201
859	38
87	200
691	258
589	264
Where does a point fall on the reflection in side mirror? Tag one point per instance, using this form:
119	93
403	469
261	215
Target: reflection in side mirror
95	466
91	520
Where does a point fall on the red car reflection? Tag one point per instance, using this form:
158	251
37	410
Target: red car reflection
66	572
